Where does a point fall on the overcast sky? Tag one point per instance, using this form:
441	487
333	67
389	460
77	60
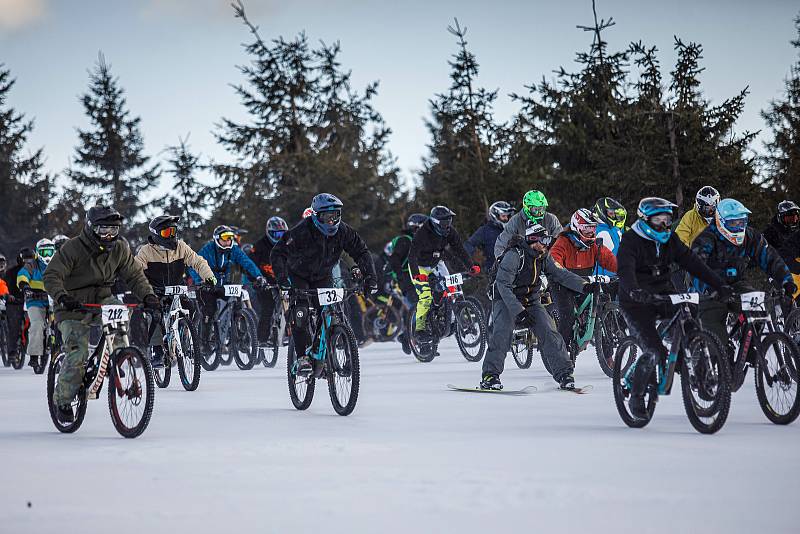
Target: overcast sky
176	58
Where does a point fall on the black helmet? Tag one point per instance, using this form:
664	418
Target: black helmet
59	240
442	219
327	213
27	254
611	212
498	209
224	233
276	227
414	221
164	231
789	214
104	223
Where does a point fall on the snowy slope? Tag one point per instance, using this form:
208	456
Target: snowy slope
414	457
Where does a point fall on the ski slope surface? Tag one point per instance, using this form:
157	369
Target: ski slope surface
235	456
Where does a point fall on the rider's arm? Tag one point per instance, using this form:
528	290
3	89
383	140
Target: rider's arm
693	264
767	258
399	255
561	276
626	267
475	241
194	260
240	258
413	252
454	240
206	253
504	281
559	250
57	271
132	274
357	249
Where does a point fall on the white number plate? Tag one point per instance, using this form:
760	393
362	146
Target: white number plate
691	298
753	301
192	294
232	290
454	280
175	290
330	295
245	295
600	278
114	313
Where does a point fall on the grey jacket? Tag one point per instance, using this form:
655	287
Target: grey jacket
510	266
517	225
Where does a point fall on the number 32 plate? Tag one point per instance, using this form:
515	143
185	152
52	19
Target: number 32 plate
330	295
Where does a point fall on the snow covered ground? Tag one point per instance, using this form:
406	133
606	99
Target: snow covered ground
414	457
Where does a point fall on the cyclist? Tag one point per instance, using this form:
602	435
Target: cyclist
398	265
783	233
3	266
516	299
698	218
304	259
611	216
59	240
29	281
646	260
576	250
486	235
728	246
276	227
534	210
15	312
164	260
83	272
427	249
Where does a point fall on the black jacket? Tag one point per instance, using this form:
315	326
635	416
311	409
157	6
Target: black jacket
398	261
786	242
11	281
428	247
304	252
646	264
262	249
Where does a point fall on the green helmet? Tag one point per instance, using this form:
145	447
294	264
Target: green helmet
534	204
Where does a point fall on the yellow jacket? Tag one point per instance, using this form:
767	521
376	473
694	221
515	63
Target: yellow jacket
690	227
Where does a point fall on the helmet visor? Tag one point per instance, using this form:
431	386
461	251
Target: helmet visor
736	225
168	232
330	217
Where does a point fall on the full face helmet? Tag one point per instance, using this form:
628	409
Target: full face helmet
45	249
655	215
731	220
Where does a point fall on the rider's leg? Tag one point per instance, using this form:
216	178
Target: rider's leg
551	343
37	317
76	347
564	300
266	300
499	341
14	315
641	321
424	299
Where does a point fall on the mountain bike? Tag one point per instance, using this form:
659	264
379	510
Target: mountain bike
450	313
180	341
695	353
382	316
278	330
598	320
334	352
131	387
773	355
231	333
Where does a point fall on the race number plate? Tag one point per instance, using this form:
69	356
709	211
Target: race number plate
114	313
175	290
245	295
753	301
192	294
233	290
330	295
455	280
600	279
680	298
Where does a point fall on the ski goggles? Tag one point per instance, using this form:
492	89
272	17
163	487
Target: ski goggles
537	211
277	234
106	230
442	223
791	218
736	225
660	220
617	215
226	236
329	217
168	232
544	239
46	252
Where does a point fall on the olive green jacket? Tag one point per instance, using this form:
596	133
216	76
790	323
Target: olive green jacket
86	271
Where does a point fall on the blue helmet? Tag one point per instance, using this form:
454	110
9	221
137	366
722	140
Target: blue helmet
276	227
731	220
655	218
327	213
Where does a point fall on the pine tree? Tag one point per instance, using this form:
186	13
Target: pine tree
782	161
188	198
24	189
109	164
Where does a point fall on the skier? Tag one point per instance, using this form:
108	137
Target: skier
534	210
304	259
275	228
783	234
486	235
645	262
516	299
398	264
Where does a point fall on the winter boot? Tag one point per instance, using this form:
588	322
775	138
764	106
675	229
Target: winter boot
34	361
158	357
404	343
491	382
641	379
304	366
64	414
567	382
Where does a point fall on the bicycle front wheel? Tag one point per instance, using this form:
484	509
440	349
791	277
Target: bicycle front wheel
776	391
78	403
522	350
161	375
344	372
189	364
470	331
609	330
624	360
131	392
244	342
270	352
705	383
301	388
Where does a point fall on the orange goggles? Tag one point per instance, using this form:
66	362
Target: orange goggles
226	236
168	232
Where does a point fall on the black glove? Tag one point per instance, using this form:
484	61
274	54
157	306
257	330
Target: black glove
69	303
370	286
151	302
726	293
284	283
219	291
789	288
524	320
641	296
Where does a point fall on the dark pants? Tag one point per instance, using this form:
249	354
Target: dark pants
266	307
15	315
714	314
565	300
303	304
641	321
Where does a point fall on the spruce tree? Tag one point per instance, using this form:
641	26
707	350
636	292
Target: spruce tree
109	164
782	161
188	197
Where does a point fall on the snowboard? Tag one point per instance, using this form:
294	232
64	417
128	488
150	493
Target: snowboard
583	390
524	391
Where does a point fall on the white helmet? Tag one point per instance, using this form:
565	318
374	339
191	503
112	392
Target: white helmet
584	223
705	202
45	249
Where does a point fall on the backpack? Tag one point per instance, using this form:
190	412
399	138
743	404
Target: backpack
490	291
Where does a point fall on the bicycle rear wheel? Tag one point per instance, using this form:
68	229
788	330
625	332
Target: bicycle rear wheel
705	383
624	360
522	350
420	352
301	388
776	391
161	375
78	403
189	365
244	339
4	342
270	353
609	330
344	372
131	392
470	331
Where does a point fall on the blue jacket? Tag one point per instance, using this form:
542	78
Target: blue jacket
484	238
221	260
612	243
33	276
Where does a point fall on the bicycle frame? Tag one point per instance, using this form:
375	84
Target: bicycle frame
328	316
103	353
751	327
171	319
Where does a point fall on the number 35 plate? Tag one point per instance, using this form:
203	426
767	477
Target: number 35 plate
330	295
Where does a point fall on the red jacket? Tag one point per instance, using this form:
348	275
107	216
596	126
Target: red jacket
567	254
3	287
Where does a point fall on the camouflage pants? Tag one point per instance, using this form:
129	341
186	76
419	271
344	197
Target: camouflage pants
76	349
